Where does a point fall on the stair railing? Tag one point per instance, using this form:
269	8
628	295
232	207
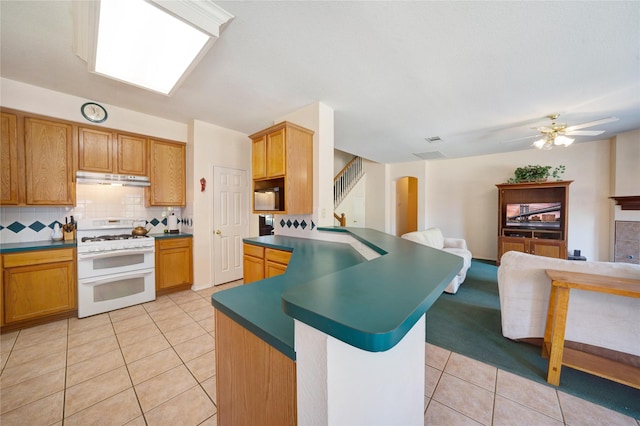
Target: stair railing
342	219
346	180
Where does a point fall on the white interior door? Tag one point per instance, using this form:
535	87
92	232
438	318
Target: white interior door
230	223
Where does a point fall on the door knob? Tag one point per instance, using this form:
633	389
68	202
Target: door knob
218	232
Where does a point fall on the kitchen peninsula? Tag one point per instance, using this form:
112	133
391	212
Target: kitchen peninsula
336	339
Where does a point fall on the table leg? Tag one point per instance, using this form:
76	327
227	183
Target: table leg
557	337
549	324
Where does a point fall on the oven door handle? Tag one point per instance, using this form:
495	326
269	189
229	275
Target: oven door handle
114	253
114	277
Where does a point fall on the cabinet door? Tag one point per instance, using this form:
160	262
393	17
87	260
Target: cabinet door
167	174
174	266
9	164
259	158
253	269
548	248
276	154
95	150
132	155
35	291
49	162
272	269
512	244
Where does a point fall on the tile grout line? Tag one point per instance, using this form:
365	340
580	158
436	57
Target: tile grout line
126	365
185	362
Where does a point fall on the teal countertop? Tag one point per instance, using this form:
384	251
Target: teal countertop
160	236
331	287
35	245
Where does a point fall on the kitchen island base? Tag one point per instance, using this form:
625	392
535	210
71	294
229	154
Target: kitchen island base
256	383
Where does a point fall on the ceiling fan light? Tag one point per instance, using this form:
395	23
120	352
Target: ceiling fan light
563	140
540	143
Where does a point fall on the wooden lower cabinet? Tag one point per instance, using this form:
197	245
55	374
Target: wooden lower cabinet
174	264
539	247
38	286
255	383
253	263
260	262
276	262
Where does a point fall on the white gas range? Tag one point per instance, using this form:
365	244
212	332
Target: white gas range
115	268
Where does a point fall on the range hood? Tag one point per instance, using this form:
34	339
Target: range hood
111	179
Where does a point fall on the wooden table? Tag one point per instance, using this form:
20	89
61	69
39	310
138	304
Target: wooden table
553	347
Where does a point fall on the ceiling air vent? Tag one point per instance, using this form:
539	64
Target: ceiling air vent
433	139
433	155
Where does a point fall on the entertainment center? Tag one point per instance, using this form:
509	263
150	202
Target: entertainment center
533	218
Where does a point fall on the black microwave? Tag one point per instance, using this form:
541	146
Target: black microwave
268	199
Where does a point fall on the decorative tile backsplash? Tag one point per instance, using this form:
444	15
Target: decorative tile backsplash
23	224
294	226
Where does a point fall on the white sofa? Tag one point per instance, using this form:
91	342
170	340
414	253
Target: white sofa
433	237
602	320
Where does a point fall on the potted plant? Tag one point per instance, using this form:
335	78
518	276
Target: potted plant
536	173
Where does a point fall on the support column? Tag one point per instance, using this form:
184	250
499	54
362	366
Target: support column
340	384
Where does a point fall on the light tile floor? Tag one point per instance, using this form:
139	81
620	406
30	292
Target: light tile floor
154	364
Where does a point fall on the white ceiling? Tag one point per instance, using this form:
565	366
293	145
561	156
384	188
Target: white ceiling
476	74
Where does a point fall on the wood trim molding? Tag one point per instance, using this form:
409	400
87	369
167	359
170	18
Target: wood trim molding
631	202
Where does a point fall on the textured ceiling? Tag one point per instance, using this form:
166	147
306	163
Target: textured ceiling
479	75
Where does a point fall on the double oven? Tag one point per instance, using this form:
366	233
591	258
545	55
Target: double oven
115	268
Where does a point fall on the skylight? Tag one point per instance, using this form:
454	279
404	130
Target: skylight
143	45
150	44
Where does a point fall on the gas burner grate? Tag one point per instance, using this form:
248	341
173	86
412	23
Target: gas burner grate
93	239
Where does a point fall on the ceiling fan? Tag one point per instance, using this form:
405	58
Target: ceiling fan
558	133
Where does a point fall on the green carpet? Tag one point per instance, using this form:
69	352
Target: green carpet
468	323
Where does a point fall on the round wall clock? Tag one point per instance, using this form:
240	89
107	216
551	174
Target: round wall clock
93	112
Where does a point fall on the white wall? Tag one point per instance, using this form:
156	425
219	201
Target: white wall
213	146
462	200
25	97
340	160
377	201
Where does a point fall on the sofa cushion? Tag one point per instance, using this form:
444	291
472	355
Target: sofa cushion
463	253
431	237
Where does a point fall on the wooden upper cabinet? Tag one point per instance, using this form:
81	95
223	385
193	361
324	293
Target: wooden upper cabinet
95	150
105	151
49	162
131	155
167	173
282	157
259	158
9	163
276	154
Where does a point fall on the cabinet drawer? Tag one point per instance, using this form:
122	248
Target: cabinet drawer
253	250
170	243
278	256
38	257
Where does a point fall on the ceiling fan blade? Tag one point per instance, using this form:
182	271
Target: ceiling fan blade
584	132
520	139
591	123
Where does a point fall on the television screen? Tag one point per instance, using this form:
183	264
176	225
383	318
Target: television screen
534	215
